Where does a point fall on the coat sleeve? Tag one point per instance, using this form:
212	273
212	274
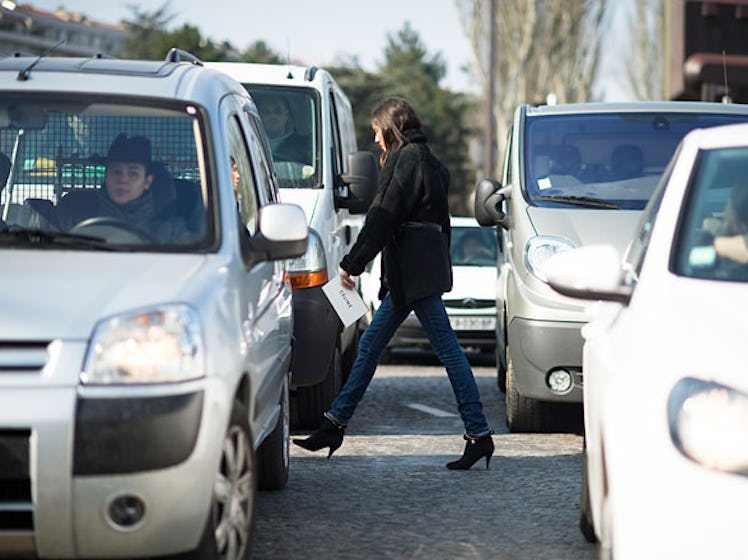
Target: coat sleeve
387	211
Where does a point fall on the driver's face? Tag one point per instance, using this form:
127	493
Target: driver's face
126	181
274	115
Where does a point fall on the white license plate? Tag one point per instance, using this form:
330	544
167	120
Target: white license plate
473	323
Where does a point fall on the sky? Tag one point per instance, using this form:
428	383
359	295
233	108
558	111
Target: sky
318	32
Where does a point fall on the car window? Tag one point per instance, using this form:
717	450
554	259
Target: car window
58	166
604	159
290	117
715	208
473	246
243	177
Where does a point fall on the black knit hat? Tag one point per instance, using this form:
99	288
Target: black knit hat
136	149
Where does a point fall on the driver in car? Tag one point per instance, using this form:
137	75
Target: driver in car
128	199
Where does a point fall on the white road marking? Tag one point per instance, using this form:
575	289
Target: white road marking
430	410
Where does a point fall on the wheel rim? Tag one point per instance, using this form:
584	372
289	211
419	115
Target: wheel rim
233	497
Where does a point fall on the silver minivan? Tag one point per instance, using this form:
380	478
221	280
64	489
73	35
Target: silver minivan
572	175
145	345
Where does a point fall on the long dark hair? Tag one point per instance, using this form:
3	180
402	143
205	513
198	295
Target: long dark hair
393	117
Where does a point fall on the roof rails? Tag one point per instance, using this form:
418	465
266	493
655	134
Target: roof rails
179	55
309	73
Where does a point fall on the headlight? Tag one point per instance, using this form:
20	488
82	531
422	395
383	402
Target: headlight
159	345
709	424
310	269
541	248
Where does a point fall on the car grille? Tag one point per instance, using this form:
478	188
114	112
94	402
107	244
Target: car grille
16	509
23	357
469	303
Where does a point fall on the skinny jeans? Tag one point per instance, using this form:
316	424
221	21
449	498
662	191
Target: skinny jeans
433	316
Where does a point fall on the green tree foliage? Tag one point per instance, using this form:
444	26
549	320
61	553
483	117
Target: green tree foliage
408	71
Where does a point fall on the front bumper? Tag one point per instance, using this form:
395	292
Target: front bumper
537	348
70	451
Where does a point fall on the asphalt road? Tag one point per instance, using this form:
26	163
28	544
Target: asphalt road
386	493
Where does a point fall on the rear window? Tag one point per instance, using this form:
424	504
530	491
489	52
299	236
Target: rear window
57	158
604	160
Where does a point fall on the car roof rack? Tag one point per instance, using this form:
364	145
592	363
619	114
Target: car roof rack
180	55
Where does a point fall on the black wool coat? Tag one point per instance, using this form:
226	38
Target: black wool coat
412	188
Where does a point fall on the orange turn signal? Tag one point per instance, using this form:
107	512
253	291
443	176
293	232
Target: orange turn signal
308	279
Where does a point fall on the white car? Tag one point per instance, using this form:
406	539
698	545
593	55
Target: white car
665	389
470	304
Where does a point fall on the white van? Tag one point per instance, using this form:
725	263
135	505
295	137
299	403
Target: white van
145	343
319	168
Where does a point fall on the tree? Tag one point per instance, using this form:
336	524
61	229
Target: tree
151	39
542	48
645	69
409	71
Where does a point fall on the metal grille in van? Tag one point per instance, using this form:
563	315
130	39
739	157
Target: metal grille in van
23	357
16	508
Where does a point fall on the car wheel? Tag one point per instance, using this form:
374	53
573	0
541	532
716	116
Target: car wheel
585	515
228	532
500	370
273	454
314	400
522	414
501	358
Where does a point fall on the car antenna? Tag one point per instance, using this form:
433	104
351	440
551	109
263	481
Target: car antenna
23	75
289	76
726	96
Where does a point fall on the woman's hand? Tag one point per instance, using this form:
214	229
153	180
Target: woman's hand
733	248
347	280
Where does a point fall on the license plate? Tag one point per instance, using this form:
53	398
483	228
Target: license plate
473	323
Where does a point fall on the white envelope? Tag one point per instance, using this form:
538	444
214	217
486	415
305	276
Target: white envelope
347	303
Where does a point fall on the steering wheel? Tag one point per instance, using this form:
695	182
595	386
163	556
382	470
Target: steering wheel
113	230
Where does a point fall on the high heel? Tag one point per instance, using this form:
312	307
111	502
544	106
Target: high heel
329	434
475	449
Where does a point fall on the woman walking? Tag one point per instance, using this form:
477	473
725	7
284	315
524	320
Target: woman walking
409	222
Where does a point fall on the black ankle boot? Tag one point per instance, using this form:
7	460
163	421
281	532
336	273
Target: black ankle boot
475	448
329	434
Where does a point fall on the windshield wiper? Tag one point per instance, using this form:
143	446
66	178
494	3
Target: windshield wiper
586	201
44	237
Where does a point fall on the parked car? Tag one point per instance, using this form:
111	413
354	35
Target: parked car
145	369
310	123
471	304
665	395
573	175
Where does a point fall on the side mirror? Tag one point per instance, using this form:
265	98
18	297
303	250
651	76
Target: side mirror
489	196
362	177
591	272
282	233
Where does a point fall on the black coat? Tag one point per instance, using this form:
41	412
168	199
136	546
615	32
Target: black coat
413	188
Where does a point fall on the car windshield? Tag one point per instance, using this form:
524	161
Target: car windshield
716	208
473	246
289	116
604	160
98	174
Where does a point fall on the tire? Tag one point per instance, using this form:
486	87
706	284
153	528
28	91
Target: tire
522	414
273	454
500	370
585	515
501	358
314	400
228	531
